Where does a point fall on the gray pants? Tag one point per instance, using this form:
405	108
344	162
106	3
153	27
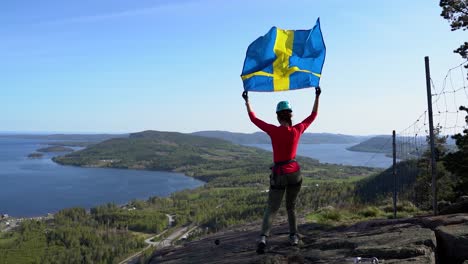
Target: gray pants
280	184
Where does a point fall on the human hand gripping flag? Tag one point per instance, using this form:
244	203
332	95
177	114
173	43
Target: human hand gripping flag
284	60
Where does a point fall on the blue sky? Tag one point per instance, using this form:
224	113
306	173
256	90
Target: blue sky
126	66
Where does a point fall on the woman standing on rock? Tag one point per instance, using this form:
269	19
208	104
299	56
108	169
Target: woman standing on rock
285	175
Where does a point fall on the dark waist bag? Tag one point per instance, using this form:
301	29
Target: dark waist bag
279	179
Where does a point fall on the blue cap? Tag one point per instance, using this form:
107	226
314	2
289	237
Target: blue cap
283	105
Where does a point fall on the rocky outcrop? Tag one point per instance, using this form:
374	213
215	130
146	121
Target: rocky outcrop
453	242
439	239
461	206
396	243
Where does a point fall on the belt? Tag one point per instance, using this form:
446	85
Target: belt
280	163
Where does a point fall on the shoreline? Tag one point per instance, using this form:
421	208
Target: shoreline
121	205
51	214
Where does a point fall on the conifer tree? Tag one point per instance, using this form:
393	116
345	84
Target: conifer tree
456	12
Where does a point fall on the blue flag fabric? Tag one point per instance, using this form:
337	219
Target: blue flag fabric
284	60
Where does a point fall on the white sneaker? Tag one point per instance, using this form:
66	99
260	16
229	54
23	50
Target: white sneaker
294	240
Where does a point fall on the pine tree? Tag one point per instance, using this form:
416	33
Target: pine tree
456	11
444	179
457	162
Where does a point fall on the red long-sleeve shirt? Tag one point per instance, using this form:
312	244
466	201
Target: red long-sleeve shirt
284	139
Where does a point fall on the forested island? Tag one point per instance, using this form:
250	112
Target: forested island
35	155
55	149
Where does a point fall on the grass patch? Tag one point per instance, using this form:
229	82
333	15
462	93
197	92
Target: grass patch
326	215
370	212
6	239
349	215
142	235
405	209
14	251
351	179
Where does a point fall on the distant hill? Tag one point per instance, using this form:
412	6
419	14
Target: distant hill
55	149
405	147
262	138
66	140
238	138
201	157
35	155
377	144
412	147
72	137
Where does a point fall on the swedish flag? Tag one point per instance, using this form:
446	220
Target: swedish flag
284	60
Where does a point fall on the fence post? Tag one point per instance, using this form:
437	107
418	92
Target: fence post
431	135
394	176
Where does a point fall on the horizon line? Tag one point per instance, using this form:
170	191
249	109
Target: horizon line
32	132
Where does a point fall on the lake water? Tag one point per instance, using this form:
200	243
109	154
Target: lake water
338	154
33	187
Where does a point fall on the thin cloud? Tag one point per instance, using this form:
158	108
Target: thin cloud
118	14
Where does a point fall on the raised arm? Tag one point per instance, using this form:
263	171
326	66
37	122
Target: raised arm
247	103
306	123
259	123
318	91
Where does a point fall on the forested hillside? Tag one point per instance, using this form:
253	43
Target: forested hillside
73	236
377	144
383	144
379	187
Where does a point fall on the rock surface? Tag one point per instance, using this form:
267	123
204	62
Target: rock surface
439	239
453	242
460	206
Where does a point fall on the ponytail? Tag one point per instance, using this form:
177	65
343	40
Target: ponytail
285	116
